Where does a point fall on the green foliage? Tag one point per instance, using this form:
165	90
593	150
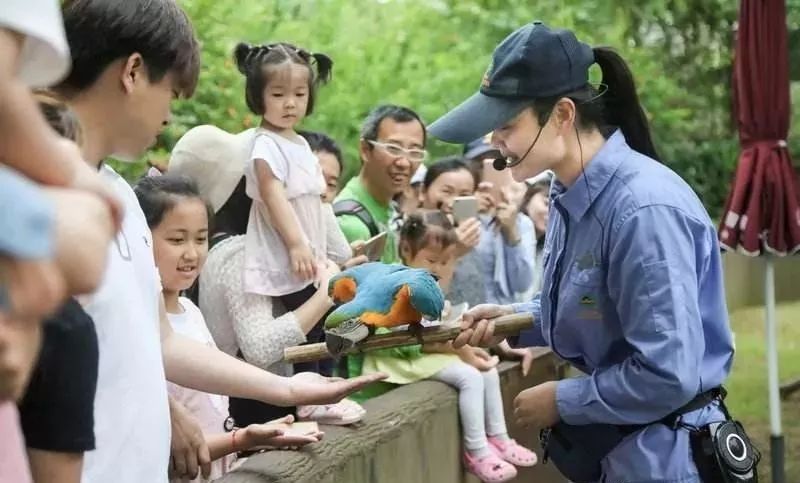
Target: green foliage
431	54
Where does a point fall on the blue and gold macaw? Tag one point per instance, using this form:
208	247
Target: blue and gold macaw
384	295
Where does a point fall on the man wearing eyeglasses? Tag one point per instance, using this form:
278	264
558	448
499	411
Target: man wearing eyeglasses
392	147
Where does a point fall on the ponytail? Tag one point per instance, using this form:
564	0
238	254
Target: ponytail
616	107
241	54
324	66
621	105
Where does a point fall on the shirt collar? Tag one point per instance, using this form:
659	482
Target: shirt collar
593	180
360	192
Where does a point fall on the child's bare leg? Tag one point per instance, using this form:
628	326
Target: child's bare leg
33	289
31	285
84	231
19	347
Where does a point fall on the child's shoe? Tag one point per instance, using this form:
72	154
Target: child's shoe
490	468
513	452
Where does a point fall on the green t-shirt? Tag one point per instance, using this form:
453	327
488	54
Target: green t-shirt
355	230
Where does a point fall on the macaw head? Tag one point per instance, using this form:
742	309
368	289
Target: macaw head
342	289
347	311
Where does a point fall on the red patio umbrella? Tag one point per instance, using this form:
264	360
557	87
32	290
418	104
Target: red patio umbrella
762	212
762	216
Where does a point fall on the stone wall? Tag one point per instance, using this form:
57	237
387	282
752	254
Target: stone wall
410	435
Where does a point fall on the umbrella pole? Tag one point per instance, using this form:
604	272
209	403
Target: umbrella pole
776	435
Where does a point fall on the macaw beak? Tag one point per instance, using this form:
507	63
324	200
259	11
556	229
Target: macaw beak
336	318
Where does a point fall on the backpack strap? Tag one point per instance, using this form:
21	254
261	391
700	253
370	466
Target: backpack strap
354	208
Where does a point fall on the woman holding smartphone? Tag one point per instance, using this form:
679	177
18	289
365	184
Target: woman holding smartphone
493	238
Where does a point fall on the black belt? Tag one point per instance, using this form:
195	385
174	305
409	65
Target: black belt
578	450
673	419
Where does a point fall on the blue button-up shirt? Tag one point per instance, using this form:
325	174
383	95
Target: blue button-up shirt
633	296
509	268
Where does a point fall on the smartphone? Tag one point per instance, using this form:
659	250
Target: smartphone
464	207
373	248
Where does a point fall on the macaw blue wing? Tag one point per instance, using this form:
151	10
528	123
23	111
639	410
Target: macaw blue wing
425	294
342	286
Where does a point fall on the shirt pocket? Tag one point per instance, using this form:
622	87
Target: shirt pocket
592	277
665	296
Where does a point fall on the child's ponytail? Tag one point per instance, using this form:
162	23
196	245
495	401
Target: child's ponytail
324	66
242	55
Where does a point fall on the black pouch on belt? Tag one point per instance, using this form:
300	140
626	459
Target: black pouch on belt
578	450
723	453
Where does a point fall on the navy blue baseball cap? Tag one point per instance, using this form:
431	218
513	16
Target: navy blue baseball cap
533	62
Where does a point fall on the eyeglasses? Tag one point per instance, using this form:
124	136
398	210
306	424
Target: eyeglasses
415	155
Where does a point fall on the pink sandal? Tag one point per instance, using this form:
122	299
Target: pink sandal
353	406
513	452
490	468
340	414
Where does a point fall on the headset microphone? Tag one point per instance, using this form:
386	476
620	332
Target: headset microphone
500	164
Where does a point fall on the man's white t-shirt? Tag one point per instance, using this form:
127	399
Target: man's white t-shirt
44	58
131	413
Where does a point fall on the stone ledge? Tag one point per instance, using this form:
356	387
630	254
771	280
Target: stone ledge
409	435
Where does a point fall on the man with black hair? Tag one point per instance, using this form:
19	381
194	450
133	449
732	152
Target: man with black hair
131	58
392	147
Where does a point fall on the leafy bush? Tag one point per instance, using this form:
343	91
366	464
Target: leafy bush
430	55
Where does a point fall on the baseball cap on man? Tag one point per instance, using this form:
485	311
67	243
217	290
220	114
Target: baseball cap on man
531	63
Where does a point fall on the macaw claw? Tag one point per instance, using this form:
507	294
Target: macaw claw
343	337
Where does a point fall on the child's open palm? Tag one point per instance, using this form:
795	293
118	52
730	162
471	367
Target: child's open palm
274	435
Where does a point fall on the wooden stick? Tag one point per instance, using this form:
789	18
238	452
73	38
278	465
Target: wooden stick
505	325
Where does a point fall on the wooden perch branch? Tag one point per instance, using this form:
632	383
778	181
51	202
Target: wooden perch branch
505	325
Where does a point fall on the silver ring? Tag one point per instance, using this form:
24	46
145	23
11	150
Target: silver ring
728	445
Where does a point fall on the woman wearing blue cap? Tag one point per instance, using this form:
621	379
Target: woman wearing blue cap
633	293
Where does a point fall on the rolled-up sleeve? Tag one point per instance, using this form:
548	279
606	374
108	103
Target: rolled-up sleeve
519	258
652	281
533	336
